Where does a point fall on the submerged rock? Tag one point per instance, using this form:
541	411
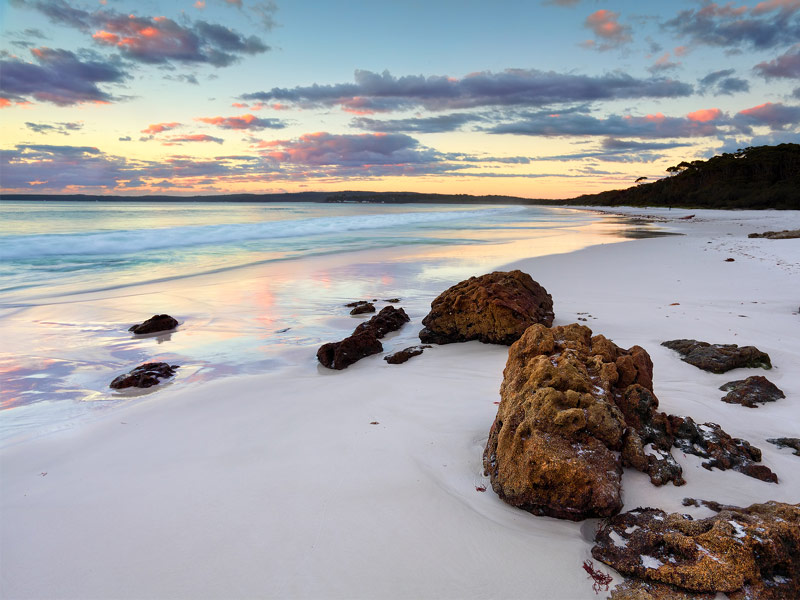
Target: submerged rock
363	307
786	234
743	552
364	341
144	376
719	358
575	409
155	324
402	356
787	442
751	391
495	308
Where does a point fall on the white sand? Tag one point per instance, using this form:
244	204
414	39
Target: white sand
278	486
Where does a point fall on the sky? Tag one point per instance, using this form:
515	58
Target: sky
531	98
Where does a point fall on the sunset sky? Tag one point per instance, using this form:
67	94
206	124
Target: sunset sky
542	99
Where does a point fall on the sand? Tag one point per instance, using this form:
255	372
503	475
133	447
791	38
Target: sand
281	486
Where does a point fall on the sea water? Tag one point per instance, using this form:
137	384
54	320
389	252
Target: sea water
255	286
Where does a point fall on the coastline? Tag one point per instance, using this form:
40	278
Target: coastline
278	485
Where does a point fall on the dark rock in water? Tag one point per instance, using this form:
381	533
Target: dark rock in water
749	392
787	442
747	553
356	303
495	308
387	320
366	307
155	324
144	376
730	260
403	355
719	358
340	355
392	300
364	341
710	441
786	234
575	409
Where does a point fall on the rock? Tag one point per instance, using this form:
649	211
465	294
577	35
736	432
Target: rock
730	260
786	234
364	341
387	320
787	442
709	441
575	409
638	589
749	392
495	308
719	358
743	552
392	300
365	307
155	324
355	303
403	355
340	355
144	376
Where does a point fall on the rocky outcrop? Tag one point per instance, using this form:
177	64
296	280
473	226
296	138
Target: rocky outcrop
787	442
751	553
364	341
402	356
144	376
786	234
155	324
751	391
719	358
575	409
495	308
363	307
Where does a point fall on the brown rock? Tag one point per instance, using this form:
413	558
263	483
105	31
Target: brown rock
639	589
787	442
495	308
387	320
403	355
340	355
356	303
743	552
751	391
144	376
155	324
786	234
719	358
361	308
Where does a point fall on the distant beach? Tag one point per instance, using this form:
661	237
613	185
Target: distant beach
258	473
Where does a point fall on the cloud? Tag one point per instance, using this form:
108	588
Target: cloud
155	40
437	124
247	121
126	138
721	82
512	87
621	151
62	128
768	25
786	65
663	63
60	77
607	29
155	128
775	116
195	137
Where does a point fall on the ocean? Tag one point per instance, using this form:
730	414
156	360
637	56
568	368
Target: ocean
255	286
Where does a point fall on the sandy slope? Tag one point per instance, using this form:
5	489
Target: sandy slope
279	486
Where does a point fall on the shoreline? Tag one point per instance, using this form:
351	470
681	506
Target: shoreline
278	485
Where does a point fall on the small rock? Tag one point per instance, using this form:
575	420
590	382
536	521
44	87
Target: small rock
719	358
730	260
402	356
392	300
787	442
786	234
155	324
355	303
144	376
366	307
751	391
340	355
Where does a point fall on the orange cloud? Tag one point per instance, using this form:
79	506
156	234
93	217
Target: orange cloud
5	102
705	115
159	127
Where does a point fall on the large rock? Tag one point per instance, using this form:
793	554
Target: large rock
155	324
364	341
719	358
575	409
751	392
495	308
144	376
751	553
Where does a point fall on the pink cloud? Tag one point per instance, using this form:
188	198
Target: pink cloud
605	25
195	137
247	121
789	6
705	115
155	128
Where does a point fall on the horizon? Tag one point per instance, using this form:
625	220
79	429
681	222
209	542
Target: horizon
225	97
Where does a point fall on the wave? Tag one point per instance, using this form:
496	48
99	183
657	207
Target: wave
142	240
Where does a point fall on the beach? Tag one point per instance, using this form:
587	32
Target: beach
301	482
